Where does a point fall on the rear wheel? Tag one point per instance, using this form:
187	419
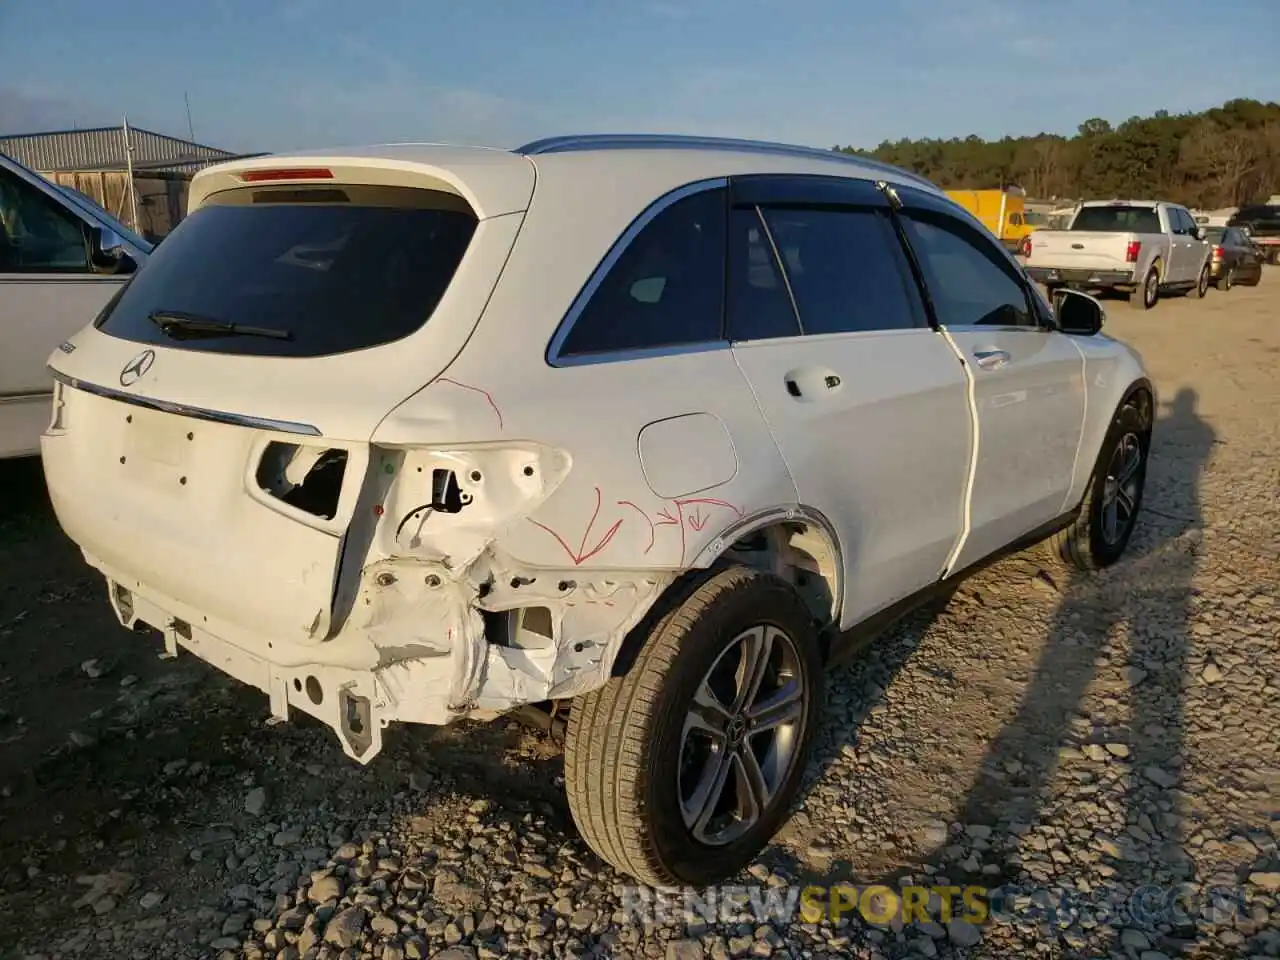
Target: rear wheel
1101	533
1145	295
682	770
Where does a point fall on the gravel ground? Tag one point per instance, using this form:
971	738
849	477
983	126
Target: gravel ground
1093	736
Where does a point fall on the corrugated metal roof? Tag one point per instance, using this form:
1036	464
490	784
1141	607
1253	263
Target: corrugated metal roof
103	148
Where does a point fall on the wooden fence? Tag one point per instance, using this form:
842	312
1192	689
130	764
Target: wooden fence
162	196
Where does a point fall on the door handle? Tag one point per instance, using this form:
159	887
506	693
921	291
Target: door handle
809	383
991	359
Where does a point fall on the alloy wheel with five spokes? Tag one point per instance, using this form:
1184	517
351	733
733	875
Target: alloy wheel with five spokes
1122	489
741	734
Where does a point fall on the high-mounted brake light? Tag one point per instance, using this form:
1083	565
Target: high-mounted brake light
289	173
1131	251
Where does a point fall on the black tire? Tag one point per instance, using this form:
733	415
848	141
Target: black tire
1227	280
1255	279
1086	544
625	744
1145	295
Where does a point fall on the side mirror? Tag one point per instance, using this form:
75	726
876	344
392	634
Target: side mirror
110	255
1078	313
1200	234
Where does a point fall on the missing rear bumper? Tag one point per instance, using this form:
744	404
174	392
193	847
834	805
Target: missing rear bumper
384	666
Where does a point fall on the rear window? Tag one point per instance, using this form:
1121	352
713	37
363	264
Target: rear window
296	271
1117	219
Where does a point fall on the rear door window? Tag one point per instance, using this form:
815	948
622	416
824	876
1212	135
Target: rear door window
297	272
846	269
760	304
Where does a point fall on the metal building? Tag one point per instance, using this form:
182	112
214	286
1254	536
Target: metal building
97	162
103	148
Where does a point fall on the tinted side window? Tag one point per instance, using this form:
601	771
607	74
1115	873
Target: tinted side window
36	235
667	287
759	304
846	269
969	280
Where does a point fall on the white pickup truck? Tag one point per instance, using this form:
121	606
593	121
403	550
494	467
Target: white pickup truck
1144	248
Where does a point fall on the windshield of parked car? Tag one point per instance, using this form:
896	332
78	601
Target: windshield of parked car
1117	218
332	270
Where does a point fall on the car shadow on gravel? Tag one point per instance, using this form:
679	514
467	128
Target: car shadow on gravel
1051	723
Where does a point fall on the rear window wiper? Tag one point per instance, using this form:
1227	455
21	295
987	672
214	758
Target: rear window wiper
179	324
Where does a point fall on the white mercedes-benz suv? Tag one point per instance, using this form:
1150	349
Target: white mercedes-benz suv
638	431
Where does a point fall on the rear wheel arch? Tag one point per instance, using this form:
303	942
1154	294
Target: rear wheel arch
798	544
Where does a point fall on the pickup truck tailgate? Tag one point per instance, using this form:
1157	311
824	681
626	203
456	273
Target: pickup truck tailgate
1080	250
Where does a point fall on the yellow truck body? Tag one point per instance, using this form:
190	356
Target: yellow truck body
1003	212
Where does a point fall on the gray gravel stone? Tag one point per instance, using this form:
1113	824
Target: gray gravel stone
963	934
1267	880
325	889
345	927
255	801
684	950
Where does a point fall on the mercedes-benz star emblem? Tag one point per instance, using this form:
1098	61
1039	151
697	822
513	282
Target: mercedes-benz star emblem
136	368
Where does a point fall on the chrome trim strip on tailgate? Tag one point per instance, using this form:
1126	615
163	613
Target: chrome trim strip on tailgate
183	410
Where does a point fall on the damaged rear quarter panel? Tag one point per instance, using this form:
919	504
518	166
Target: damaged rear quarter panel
560	518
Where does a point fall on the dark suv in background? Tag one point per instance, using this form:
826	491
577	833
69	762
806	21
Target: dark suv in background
1262	221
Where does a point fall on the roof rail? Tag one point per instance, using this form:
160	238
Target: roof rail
661	141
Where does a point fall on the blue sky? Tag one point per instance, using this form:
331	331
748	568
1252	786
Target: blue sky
284	74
